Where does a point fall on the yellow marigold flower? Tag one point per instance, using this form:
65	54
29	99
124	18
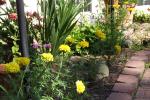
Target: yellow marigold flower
70	39
100	35
117	49
116	6
12	67
84	44
126	2
64	48
130	9
47	57
80	88
22	61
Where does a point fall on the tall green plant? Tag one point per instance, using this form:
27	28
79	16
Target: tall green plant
59	19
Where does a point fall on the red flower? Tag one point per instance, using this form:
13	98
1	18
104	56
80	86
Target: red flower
2	2
12	16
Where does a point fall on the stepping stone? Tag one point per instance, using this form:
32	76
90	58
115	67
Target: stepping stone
124	88
130	79
140	58
143	93
135	64
119	96
138	72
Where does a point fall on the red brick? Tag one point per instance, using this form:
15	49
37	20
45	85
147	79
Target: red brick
147	73
124	88
133	71
139	58
143	53
140	99
130	79
136	64
145	82
143	93
119	96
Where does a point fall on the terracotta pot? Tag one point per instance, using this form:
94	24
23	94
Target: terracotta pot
2	2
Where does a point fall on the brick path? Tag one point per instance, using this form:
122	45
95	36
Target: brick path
134	81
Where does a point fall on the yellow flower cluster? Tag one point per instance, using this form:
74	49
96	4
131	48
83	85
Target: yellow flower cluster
131	9
83	44
80	88
22	61
64	48
116	6
12	67
100	35
16	64
117	49
47	57
70	39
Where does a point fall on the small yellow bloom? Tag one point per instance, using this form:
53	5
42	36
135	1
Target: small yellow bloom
80	88
47	57
131	9
12	67
126	2
64	48
116	6
117	49
70	39
84	44
100	35
22	61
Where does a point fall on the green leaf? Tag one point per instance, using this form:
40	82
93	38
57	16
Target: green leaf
2	88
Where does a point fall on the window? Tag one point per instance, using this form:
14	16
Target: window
144	2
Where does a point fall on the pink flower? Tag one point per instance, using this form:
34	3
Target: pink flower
35	44
12	16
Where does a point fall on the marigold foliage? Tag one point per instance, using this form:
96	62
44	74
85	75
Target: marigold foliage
117	49
12	67
22	61
64	48
80	87
100	35
84	44
47	57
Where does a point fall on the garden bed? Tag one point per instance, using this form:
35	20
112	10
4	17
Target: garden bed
101	89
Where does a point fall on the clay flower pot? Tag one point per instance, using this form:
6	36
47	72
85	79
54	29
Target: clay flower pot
2	2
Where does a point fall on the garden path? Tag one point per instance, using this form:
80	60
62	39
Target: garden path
134	81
